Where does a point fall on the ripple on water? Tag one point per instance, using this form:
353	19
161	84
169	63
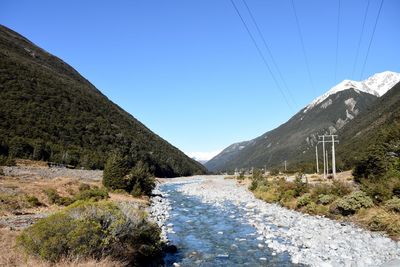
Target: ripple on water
207	235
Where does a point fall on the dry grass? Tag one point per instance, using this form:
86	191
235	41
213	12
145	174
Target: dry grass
340	176
31	163
125	197
20	186
379	219
269	196
290	204
11	255
17	187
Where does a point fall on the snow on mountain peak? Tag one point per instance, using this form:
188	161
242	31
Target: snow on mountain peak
382	82
378	84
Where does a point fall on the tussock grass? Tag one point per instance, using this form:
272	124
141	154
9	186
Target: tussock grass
379	219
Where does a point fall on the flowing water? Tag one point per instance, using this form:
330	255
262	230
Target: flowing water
209	235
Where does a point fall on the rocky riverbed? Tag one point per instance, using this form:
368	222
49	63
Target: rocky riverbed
310	240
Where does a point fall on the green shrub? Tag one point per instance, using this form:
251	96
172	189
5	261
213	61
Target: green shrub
379	190
288	195
13	202
115	170
337	188
340	188
52	195
370	167
300	186
96	230
393	204
241	176
304	200
136	190
95	194
274	172
55	198
326	199
140	180
321	189
353	202
33	201
253	186
6	161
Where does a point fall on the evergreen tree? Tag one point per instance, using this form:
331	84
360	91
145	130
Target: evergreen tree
115	170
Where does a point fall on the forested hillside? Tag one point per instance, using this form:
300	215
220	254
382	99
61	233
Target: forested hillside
378	124
48	111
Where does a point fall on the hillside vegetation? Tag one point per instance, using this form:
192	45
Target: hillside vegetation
375	127
48	111
295	140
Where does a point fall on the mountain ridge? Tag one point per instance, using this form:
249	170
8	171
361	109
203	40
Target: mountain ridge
49	111
329	115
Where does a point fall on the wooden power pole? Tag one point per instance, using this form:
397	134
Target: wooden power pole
316	157
326	155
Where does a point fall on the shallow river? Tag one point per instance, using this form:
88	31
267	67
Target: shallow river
209	235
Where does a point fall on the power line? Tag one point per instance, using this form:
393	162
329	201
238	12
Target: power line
303	47
269	51
337	40
360	39
372	37
261	54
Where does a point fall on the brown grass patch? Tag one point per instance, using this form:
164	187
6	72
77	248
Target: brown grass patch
65	187
31	163
379	219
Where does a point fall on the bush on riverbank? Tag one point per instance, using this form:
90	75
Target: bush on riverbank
119	175
321	199
88	229
350	204
338	200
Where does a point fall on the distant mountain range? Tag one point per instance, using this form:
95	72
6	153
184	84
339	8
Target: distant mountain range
333	112
202	161
48	111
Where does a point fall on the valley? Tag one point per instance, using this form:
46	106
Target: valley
135	134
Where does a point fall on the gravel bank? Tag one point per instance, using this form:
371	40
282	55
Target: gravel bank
52	173
311	240
159	211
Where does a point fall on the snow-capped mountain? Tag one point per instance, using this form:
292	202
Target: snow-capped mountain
382	82
295	140
377	85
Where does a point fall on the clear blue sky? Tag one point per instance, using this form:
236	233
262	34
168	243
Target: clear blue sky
188	70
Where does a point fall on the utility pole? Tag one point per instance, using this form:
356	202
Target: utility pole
326	155
323	153
327	162
316	156
285	166
333	157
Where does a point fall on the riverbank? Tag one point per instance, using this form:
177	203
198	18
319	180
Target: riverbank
34	191
311	240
